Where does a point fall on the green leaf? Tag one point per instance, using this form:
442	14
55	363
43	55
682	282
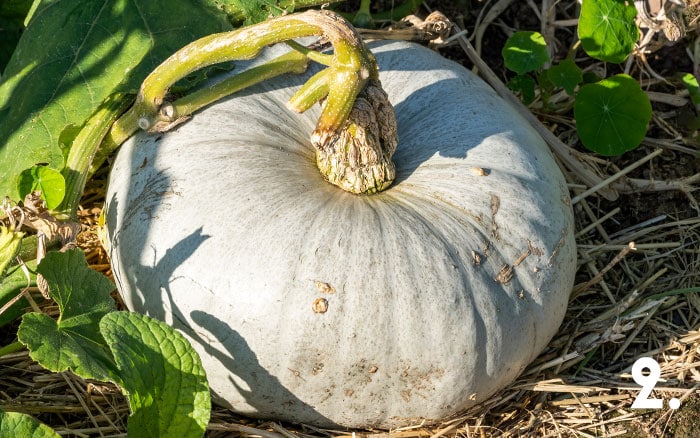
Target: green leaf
249	11
162	374
11	285
525	51
607	29
525	85
691	84
246	12
72	56
49	181
566	74
12	13
16	424
612	115
73	341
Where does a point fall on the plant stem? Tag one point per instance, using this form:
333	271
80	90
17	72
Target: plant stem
351	67
313	55
84	148
363	17
292	62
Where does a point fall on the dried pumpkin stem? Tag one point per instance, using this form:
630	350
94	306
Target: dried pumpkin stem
355	135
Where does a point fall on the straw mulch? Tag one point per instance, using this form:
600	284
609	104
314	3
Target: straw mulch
636	292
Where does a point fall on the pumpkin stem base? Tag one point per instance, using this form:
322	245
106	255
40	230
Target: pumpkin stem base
357	157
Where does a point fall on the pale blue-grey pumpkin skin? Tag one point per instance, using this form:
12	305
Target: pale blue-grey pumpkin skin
309	304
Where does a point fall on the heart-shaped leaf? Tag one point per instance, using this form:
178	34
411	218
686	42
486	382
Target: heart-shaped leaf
612	115
45	179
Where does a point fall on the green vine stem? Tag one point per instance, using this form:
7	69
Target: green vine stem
83	151
354	138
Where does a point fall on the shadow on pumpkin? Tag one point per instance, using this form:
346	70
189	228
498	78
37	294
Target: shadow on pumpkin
261	390
155	279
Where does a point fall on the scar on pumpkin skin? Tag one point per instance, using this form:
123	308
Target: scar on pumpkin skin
522	257
476	258
324	288
505	274
557	247
320	305
533	249
495	205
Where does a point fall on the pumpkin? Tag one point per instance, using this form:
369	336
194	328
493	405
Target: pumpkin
313	305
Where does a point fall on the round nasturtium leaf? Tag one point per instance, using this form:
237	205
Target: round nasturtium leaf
525	51
46	179
525	85
612	115
607	29
566	74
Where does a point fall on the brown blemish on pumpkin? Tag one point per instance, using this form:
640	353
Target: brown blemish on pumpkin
521	258
476	258
558	246
533	249
417	382
324	288
479	171
495	206
320	305
296	373
505	274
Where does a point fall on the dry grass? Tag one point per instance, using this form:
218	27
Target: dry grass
636	293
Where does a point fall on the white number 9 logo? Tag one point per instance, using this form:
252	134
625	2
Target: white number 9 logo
647	383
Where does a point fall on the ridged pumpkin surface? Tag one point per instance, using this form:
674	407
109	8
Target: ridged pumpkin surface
313	305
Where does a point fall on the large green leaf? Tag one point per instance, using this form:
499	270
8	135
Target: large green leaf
12	13
16	424
73	341
607	29
72	56
612	115
162	374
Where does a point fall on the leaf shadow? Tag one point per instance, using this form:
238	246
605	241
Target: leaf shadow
261	390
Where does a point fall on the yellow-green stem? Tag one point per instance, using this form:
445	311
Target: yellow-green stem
292	62
338	137
84	148
313	55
